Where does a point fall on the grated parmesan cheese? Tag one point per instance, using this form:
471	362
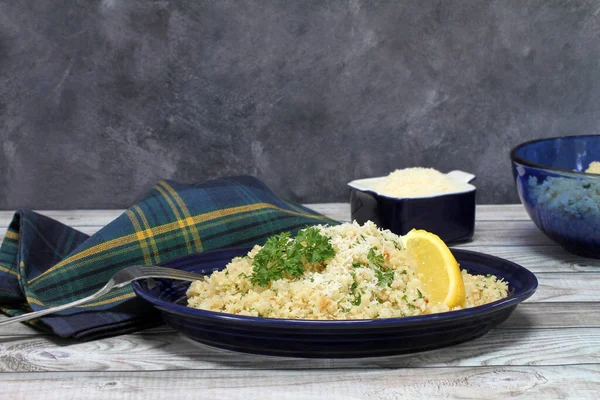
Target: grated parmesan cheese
594	168
416	182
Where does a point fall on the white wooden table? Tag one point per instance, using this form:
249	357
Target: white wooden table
548	349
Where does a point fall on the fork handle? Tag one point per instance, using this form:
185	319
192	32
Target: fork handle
51	310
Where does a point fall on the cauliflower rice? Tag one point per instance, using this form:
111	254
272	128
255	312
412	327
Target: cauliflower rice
345	287
567	205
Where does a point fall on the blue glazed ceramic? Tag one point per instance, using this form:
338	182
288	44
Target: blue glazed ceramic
562	200
450	216
333	339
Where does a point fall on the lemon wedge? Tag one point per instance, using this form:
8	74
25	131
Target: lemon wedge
437	268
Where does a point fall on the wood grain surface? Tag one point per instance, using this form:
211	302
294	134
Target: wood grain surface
527	382
548	349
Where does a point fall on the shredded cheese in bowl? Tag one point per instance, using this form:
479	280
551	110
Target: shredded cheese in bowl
594	168
415	182
367	275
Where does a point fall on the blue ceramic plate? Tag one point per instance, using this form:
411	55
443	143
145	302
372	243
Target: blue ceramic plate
333	339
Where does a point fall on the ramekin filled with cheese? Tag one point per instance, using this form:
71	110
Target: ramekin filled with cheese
417	198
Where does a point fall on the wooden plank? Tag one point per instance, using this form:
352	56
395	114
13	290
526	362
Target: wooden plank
509	233
168	351
72	218
527	315
337	211
23	330
554	315
549	382
541	258
501	212
566	287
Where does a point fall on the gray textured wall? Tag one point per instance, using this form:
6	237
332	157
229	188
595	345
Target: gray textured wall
100	99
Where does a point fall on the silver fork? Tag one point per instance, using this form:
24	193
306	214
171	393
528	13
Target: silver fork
118	280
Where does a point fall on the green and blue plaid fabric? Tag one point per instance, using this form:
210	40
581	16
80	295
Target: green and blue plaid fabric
44	263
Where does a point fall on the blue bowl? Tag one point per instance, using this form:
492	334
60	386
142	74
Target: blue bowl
332	339
451	216
562	200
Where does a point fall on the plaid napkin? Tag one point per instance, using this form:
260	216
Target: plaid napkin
44	263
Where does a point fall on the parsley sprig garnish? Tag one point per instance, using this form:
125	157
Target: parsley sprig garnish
283	255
